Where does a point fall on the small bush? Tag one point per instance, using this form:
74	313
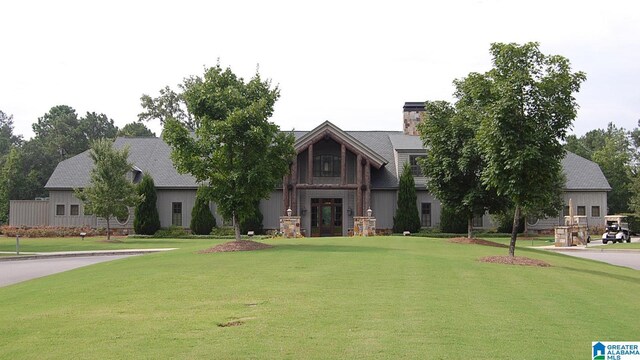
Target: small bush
202	220
172	232
222	231
253	222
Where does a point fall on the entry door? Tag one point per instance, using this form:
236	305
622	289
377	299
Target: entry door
326	217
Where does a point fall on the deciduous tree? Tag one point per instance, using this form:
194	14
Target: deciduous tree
236	151
109	193
528	105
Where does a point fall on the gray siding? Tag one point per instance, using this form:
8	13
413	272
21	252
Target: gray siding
588	199
28	213
167	197
271	210
67	198
383	207
402	157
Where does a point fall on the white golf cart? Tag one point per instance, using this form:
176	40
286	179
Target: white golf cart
617	229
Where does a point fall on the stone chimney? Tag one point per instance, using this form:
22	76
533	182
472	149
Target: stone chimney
411	115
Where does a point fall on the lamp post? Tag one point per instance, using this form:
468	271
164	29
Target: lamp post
369	212
289	212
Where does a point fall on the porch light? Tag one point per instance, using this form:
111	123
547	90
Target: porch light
289	212
369	212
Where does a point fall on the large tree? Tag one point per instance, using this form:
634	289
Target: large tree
97	126
7	138
110	193
407	217
236	152
169	105
528	105
453	163
136	129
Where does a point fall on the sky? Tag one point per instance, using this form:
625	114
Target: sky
350	62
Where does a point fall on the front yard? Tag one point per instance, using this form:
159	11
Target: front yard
381	297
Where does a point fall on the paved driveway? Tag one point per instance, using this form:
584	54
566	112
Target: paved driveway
12	272
621	258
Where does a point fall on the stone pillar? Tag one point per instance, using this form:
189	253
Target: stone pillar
290	226
364	226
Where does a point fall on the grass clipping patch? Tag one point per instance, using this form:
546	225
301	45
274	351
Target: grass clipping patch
242	245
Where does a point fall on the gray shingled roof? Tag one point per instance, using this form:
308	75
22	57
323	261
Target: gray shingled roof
152	155
583	174
149	154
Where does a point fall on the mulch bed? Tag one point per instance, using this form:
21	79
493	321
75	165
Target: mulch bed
516	260
464	240
242	245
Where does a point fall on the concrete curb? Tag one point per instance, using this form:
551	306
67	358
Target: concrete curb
590	249
34	256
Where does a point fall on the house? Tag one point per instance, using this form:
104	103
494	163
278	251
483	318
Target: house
337	175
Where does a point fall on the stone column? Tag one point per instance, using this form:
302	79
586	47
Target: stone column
359	183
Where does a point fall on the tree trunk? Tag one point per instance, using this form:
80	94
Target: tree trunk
236	227
470	227
514	232
108	230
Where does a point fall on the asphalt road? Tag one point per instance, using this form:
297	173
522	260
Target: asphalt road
628	259
12	272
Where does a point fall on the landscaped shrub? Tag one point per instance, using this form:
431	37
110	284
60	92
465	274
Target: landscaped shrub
146	220
252	222
505	222
49	231
222	231
172	232
407	217
202	220
452	221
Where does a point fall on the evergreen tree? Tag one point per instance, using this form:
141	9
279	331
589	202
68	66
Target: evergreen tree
407	217
202	220
147	220
253	221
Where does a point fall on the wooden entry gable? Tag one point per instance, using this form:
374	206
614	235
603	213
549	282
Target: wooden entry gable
365	158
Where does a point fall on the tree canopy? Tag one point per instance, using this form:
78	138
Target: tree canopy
236	151
136	129
109	193
527	107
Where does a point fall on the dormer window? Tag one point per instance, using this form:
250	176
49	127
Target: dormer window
415	167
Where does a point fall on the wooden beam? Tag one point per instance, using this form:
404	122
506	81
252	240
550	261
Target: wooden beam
367	182
327	186
285	194
294	198
343	164
359	184
310	164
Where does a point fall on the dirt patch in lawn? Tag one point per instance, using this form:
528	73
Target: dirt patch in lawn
516	260
464	240
242	245
231	323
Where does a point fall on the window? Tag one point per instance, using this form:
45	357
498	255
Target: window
595	211
582	211
425	215
565	211
415	168
74	210
176	214
477	221
326	166
60	210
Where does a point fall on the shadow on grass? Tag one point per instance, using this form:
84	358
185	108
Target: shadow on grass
603	274
329	248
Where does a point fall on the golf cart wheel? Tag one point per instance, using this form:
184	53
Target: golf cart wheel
605	241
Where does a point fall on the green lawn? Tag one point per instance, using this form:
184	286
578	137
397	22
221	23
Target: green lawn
95	243
344	298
